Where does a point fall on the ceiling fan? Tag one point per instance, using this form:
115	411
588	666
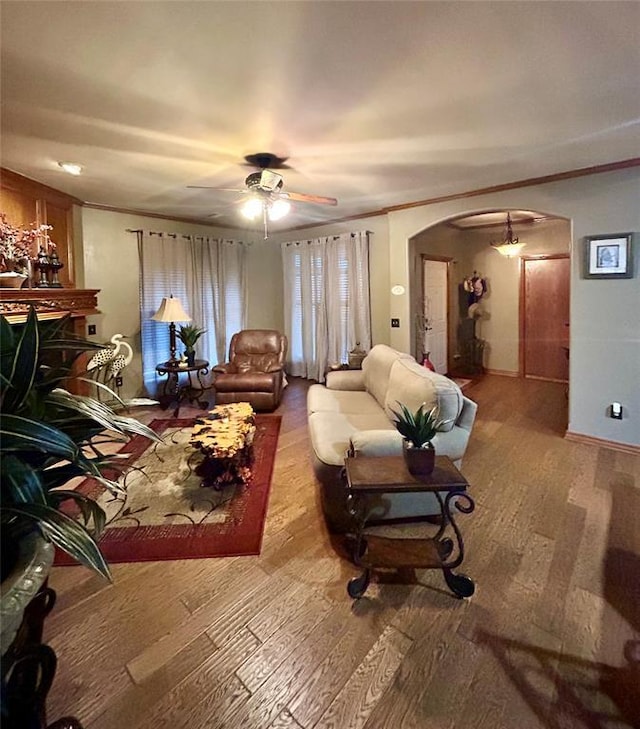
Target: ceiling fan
264	191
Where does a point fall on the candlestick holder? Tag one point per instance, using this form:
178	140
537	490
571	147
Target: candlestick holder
54	266
42	264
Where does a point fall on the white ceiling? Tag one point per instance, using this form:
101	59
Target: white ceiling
375	103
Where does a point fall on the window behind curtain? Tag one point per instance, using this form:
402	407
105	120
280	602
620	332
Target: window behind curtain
327	308
209	278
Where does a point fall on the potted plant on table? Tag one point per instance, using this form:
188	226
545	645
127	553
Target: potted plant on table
418	430
49	436
189	334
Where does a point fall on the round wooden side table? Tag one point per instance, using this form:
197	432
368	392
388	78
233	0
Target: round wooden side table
192	388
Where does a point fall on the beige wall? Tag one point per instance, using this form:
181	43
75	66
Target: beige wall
605	326
265	305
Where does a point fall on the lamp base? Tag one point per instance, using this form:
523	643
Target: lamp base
172	342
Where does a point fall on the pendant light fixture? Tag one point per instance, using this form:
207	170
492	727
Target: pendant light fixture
510	246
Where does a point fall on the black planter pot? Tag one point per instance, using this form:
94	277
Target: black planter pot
191	357
420	461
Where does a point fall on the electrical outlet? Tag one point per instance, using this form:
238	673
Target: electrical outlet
118	381
91	329
395	323
615	410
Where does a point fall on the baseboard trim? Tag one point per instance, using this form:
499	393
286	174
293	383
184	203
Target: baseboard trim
502	373
634	450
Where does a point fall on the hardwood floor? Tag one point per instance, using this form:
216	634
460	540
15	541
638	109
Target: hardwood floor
274	641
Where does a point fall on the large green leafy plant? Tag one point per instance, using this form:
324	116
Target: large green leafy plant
50	436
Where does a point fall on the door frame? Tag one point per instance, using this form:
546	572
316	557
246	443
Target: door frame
521	302
440	259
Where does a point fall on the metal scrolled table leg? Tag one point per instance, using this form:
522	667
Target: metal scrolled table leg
202	371
357	586
461	585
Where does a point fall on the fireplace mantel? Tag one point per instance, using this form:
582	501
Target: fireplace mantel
54	304
49	303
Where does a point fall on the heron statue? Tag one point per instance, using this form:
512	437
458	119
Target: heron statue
110	360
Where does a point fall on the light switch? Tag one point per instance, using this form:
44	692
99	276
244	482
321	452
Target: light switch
616	411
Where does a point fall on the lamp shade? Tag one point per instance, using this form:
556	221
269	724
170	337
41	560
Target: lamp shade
171	310
509	249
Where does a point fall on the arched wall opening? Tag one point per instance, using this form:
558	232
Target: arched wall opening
497	317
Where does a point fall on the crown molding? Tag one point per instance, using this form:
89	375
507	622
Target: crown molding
159	216
529	182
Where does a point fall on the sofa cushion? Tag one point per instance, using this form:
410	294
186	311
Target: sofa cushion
410	385
376	367
345	380
321	399
330	433
377	442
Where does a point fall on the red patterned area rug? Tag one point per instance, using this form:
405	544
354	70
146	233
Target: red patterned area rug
165	512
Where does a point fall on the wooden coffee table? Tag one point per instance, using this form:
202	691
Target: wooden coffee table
224	438
409	543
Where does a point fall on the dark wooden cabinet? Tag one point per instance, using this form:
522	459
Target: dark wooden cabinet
28	202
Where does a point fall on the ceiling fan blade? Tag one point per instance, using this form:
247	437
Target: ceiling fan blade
303	197
210	187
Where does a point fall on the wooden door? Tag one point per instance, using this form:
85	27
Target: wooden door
544	317
435	287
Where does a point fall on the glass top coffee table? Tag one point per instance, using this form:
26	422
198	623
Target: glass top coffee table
410	543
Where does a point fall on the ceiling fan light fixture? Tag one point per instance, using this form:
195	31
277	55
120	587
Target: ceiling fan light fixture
251	208
510	246
278	209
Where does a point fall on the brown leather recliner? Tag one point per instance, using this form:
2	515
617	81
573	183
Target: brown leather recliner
255	371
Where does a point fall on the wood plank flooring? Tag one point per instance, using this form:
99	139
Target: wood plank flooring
550	639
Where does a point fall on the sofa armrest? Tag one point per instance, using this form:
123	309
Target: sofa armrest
225	369
345	380
377	442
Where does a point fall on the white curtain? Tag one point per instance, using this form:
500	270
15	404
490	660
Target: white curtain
208	276
326	301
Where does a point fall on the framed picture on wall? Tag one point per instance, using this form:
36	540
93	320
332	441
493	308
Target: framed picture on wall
608	256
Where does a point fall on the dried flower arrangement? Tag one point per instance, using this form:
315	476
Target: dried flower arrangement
18	246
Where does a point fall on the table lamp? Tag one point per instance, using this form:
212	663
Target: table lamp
171	311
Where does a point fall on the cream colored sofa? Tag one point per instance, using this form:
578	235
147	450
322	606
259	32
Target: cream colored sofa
353	411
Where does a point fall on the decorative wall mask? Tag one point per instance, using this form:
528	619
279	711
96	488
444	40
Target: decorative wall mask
475	287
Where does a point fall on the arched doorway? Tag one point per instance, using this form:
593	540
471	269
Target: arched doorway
465	241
